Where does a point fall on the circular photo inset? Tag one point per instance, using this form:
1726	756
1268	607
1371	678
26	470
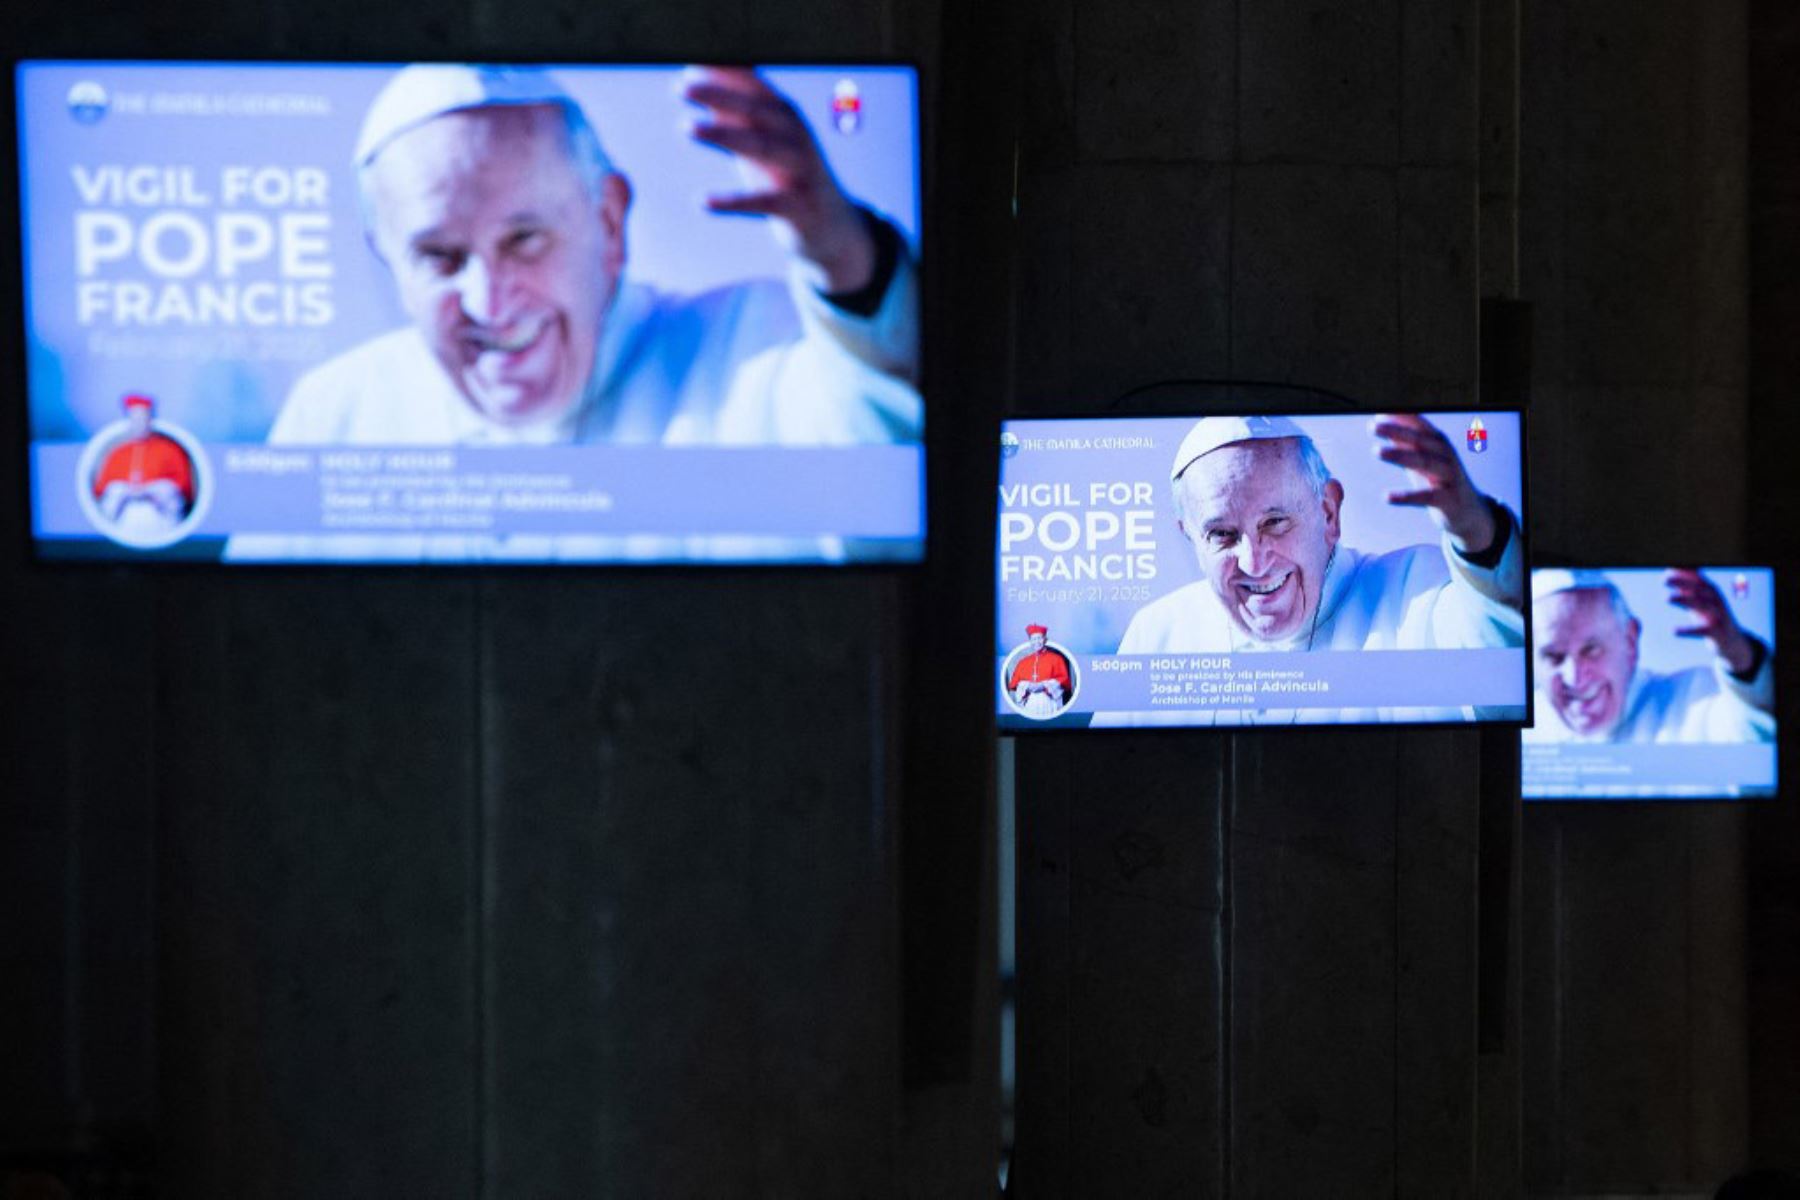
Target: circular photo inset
142	482
1040	678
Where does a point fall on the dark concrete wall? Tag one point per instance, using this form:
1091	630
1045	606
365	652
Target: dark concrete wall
1633	250
334	884
1247	963
1334	228
586	883
1774	830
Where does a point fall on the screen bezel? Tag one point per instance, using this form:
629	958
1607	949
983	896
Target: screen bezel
1010	725
30	550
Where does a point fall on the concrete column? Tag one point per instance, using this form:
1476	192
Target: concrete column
1247	963
1774	830
581	883
1633	253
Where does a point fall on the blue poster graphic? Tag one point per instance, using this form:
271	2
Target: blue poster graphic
280	261
1261	570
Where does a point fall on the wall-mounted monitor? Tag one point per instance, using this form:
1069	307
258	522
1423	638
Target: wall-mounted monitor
1261	570
1652	684
451	313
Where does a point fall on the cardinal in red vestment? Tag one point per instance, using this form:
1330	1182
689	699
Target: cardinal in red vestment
148	473
1040	680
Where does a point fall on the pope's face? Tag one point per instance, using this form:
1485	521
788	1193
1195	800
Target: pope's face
1037	642
1585	658
1262	537
504	259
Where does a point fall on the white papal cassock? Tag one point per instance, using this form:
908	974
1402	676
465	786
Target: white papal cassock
1415	598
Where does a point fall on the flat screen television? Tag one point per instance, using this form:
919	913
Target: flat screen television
1261	570
453	313
1652	684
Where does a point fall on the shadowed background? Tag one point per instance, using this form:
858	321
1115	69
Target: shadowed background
323	883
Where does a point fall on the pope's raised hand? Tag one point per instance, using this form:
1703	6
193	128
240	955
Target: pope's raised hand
785	175
1441	484
1713	621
